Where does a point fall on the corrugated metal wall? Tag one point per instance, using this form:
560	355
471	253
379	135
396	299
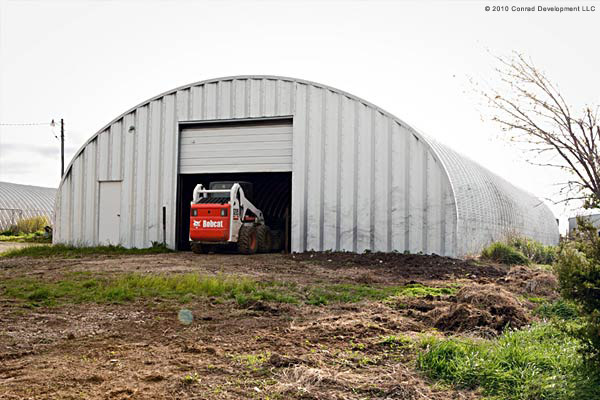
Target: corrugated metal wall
361	178
24	201
490	208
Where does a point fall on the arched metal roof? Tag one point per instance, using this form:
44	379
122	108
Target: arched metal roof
242	77
486	206
489	207
24	201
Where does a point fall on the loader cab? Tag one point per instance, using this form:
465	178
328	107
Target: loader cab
247	187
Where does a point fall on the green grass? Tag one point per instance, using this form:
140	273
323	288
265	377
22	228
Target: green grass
68	251
84	287
36	237
557	310
351	293
537	363
81	288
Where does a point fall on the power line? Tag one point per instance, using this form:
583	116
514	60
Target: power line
25	123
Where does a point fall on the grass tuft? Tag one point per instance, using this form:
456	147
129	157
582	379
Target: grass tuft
504	253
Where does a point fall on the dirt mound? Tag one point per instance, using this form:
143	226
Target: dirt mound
531	282
405	265
480	307
465	318
323	382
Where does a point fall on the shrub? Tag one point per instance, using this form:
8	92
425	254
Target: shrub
533	250
504	253
578	270
31	225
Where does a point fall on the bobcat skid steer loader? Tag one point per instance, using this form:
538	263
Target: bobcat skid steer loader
223	216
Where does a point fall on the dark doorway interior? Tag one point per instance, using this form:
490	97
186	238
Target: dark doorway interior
272	195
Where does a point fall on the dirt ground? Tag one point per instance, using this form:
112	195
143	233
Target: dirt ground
4	246
140	350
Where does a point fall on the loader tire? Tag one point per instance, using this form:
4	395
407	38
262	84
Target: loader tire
263	236
247	241
198	248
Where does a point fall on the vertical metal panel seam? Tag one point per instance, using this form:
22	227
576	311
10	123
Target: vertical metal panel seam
407	154
134	179
425	200
372	184
389	183
306	152
190	103
122	153
217	99
161	161
109	160
293	89
232	98
124	186
204	105
175	175
338	183
262	98
82	222
94	200
324	93
277	84
71	205
145	200
355	179
442	213
247	97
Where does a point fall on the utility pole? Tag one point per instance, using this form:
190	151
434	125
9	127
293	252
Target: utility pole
62	147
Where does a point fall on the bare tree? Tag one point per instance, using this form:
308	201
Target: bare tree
532	111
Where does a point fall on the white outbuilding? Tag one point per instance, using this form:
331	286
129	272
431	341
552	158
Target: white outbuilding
19	202
334	171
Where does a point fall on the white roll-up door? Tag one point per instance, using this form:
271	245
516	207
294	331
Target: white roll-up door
236	147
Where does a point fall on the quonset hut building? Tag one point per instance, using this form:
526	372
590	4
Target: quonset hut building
337	172
24	201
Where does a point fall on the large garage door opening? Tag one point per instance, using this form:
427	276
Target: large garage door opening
258	151
272	195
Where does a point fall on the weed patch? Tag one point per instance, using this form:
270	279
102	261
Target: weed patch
540	362
35	237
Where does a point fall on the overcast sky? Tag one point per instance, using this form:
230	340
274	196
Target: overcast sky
89	61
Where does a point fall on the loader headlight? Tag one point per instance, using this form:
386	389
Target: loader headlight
223	212
194	212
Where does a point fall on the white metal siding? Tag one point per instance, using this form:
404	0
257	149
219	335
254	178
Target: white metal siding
361	178
236	148
490	208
